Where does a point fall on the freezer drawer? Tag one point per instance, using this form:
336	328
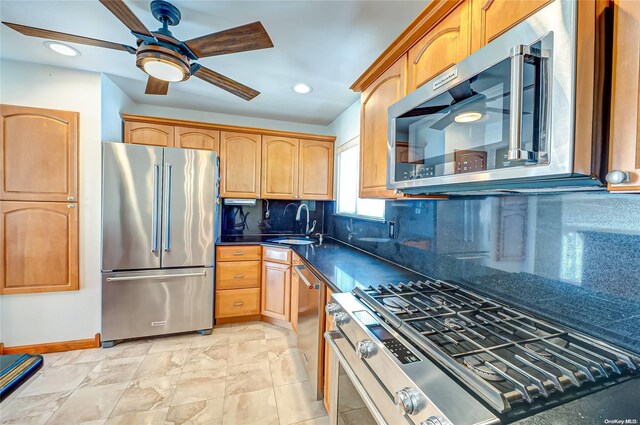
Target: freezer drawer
156	302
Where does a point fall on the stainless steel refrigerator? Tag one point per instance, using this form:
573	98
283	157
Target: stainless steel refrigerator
158	233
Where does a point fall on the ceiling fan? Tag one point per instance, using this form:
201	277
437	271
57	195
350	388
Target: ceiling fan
165	58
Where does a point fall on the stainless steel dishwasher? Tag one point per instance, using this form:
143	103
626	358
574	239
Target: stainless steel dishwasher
309	329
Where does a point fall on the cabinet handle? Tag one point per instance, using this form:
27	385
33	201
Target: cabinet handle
70	206
238	276
71	198
238	253
238	303
617	177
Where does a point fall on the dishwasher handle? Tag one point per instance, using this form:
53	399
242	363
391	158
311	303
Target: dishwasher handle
310	285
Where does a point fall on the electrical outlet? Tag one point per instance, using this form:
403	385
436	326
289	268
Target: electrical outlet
392	230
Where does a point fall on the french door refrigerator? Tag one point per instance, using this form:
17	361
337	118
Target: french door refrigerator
158	233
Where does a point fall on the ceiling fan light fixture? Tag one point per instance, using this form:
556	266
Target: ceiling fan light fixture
61	48
163	64
468	116
163	70
302	88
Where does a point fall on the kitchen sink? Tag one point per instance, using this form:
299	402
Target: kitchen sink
293	241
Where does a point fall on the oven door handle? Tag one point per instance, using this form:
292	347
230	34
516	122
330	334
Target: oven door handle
330	336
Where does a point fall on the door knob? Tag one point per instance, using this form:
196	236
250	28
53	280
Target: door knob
617	177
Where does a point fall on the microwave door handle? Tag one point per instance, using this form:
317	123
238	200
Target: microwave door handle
516	152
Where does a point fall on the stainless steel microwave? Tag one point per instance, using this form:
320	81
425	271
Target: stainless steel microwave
525	112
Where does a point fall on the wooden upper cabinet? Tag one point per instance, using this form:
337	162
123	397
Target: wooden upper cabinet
240	165
38	247
279	167
386	90
39	154
625	124
276	290
149	134
491	18
315	175
445	45
197	138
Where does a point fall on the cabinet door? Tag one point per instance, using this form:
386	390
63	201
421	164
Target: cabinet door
240	165
625	127
445	45
376	99
279	167
39	154
491	18
315	175
38	247
197	138
327	357
295	290
276	290
149	134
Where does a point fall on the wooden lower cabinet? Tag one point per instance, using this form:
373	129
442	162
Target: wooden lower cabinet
276	290
295	291
239	253
38	247
328	326
238	275
237	302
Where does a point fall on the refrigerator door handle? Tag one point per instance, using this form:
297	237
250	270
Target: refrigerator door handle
167	223
156	206
159	276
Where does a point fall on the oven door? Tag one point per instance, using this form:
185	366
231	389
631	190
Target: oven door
356	395
503	114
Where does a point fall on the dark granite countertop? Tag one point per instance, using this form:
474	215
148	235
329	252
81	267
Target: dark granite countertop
343	268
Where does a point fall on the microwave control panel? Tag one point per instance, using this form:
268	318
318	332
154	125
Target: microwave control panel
419	173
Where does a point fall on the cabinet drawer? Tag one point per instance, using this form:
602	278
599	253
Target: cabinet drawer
238	275
237	302
277	255
238	253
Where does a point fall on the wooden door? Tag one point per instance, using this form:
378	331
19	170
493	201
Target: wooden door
315	175
197	138
376	99
39	154
445	45
327	356
276	290
625	125
240	165
149	134
279	167
38	247
491	18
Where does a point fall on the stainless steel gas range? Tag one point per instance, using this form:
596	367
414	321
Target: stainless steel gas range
432	353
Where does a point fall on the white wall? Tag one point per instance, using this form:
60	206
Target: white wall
347	125
113	101
60	316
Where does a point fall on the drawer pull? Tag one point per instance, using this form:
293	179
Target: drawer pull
238	303
238	276
238	253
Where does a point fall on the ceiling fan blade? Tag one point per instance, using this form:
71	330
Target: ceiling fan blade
126	16
61	36
462	91
427	110
156	86
225	83
505	111
442	123
239	39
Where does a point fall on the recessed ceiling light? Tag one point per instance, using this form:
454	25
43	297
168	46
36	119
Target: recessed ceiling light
469	116
302	88
63	49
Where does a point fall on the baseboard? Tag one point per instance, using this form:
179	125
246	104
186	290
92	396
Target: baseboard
277	322
53	347
239	319
1	348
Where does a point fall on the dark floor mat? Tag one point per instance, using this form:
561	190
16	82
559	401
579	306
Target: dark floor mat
15	369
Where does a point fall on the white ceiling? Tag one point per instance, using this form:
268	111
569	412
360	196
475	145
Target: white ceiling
326	44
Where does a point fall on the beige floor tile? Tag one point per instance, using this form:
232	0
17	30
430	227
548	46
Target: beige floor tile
111	371
296	404
248	325
206	358
83	356
171	344
201	385
162	364
96	422
249	377
282	345
257	407
273	331
49	359
147	394
88	404
216	339
152	417
323	420
356	417
129	349
203	412
241	334
287	368
59	378
247	352
36	409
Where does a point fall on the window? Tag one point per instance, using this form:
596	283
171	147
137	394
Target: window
348	181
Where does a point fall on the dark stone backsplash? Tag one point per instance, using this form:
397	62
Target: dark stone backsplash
573	258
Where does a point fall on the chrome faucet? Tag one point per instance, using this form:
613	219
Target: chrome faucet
307	232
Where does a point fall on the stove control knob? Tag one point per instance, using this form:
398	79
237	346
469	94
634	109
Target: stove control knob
431	420
331	308
407	401
340	318
365	348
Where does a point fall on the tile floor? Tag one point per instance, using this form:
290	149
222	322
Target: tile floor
241	374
